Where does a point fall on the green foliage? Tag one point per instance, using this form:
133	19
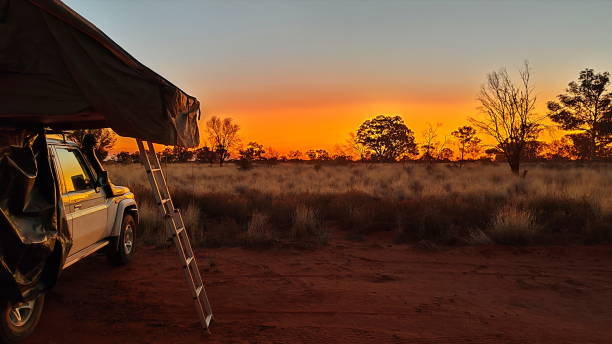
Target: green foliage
466	136
176	154
586	108
318	155
387	138
205	154
126	158
253	151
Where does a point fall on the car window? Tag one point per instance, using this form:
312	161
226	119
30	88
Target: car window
76	175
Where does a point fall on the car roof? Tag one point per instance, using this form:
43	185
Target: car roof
58	140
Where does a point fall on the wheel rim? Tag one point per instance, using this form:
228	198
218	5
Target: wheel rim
128	239
20	313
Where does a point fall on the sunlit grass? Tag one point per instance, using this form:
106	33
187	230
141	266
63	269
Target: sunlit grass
299	202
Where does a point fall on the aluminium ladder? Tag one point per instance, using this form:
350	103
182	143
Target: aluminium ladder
176	231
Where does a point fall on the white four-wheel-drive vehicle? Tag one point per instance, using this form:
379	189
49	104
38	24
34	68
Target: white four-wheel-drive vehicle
100	216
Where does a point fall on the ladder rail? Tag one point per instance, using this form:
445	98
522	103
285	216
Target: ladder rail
176	231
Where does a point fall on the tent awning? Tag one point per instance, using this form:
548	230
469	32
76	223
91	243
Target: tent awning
58	69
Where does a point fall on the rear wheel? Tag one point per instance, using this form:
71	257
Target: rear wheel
121	249
19	319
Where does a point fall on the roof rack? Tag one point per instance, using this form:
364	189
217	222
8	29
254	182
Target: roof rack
58	132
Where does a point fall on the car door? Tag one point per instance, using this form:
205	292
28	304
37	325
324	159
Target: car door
85	204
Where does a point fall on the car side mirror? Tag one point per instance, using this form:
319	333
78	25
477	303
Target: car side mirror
102	178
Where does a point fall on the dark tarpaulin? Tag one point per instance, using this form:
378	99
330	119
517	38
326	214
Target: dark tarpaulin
58	69
32	223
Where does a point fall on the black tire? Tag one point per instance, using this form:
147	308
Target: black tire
19	323
119	251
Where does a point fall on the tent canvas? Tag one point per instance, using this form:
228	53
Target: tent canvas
59	70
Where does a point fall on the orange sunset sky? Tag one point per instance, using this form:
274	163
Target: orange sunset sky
303	74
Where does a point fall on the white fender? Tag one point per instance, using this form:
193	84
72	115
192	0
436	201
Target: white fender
121	209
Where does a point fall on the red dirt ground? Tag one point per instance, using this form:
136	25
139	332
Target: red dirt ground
347	292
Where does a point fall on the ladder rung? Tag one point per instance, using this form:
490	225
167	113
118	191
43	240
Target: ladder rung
150	160
176	233
198	291
188	261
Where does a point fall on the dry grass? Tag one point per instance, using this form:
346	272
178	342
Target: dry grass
294	203
513	225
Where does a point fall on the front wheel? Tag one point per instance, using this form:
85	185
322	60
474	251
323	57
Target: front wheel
121	248
19	319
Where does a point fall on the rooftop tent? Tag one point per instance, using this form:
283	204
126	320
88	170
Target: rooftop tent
59	70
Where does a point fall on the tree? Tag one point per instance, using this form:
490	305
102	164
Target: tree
446	154
295	155
430	144
473	149
223	135
272	154
494	153
465	135
532	150
508	111
560	149
432	148
253	151
205	155
317	154
106	139
182	154
126	158
386	138
587	108
167	155
354	148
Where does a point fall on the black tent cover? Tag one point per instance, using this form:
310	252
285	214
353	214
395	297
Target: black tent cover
34	235
59	70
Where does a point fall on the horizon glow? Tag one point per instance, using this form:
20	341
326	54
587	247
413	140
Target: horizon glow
303	74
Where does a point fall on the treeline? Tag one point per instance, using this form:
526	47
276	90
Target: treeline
507	117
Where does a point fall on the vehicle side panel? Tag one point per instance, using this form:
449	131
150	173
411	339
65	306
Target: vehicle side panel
119	207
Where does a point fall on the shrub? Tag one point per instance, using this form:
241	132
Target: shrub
307	226
151	226
513	226
258	232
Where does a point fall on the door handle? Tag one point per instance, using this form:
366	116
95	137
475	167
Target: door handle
77	206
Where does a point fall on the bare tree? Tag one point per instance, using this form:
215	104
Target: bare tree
353	148
508	111
432	148
223	136
272	154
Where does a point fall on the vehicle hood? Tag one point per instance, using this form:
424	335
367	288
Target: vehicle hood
119	190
